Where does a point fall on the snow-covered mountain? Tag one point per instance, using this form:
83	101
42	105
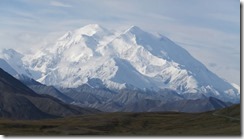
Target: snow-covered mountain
133	59
6	67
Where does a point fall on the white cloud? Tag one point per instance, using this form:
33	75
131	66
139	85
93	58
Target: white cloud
59	4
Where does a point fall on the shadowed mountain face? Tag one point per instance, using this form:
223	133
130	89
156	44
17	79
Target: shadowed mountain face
52	91
139	101
44	89
17	101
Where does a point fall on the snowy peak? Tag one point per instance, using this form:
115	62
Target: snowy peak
138	36
90	30
93	30
90	34
134	30
133	58
87	37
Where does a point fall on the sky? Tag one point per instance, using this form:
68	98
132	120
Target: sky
208	29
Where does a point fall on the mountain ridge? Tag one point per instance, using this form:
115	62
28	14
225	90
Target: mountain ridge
17	101
92	52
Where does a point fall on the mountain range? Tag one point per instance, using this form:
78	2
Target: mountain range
130	70
17	101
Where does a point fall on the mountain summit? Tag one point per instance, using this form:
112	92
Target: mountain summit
133	59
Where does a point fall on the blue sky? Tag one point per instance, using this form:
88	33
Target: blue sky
208	29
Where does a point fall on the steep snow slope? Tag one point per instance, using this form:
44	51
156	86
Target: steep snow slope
132	59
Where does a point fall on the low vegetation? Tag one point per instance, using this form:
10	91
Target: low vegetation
155	123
